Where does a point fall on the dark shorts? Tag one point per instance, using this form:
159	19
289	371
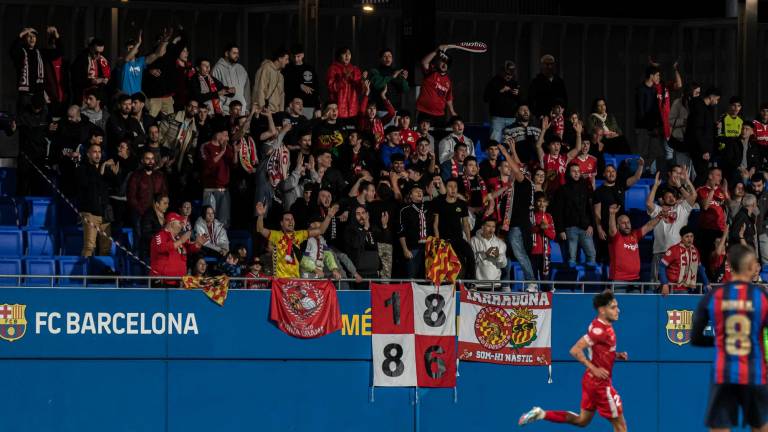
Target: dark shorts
726	399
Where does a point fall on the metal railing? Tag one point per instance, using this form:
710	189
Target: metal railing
343	284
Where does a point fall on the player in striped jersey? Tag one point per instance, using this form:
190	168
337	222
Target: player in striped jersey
738	311
597	392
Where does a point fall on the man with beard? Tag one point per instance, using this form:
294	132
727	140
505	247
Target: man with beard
143	185
233	75
183	143
385	76
286	242
360	243
92	203
522	135
122	125
625	248
436	89
502	93
92	110
609	193
414	230
162	153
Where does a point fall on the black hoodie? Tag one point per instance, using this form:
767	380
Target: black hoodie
573	205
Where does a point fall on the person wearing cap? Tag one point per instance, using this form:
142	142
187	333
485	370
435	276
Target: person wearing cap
170	248
436	89
546	87
502	94
700	130
446	145
681	268
301	82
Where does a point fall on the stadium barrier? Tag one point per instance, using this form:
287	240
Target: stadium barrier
137	359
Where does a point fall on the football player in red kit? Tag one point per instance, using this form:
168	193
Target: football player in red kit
597	392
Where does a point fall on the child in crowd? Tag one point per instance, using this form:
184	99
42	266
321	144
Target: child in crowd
543	230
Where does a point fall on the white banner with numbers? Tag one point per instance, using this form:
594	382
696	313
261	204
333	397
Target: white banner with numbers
413	335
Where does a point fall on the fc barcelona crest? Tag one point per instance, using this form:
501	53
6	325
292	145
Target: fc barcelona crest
13	322
679	326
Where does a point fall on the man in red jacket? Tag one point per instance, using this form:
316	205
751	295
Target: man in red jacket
169	250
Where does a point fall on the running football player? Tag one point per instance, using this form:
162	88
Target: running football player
738	311
597	392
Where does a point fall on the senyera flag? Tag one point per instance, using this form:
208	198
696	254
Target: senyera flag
506	328
473	47
305	308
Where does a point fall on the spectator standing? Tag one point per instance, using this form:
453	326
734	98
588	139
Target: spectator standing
700	131
413	233
522	135
369	118
436	88
300	81
143	185
208	90
451	223
92	110
681	268
131	67
454	167
543	232
555	163
546	88
218	241
386	77
408	136
169	251
286	243
90	70
674	214
678	121
609	193
361	245
94	205
30	63
743	229
601	120
729	125
625	248
574	218
152	221
502	94
217	158
447	144
490	252
649	126
269	84
345	82
760	125
122	125
712	198
758	189
742	155
234	76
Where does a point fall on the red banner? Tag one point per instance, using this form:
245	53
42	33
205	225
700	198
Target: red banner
305	308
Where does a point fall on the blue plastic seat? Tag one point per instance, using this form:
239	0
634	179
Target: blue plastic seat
610	161
71	266
634	197
11	243
71	240
10	211
10	266
556	254
39	266
41	212
40	242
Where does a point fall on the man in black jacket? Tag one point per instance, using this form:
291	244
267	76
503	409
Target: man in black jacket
574	220
94	203
545	88
360	244
742	155
301	82
122	125
502	93
700	130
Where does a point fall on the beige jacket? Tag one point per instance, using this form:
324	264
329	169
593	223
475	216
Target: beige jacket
268	86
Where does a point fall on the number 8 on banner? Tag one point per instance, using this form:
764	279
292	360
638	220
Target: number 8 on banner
414	332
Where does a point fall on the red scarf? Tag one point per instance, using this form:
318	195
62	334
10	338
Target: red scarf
662	96
25	80
211	84
468	187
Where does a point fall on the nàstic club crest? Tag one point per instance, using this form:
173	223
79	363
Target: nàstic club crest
302	299
679	326
493	327
13	322
523	327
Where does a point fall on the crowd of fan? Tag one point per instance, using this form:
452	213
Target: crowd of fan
352	184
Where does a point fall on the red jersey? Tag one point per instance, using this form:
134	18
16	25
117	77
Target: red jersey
409	136
558	164
721	268
713	217
588	167
167	260
541	237
215	173
602	344
682	266
436	91
625	256
761	132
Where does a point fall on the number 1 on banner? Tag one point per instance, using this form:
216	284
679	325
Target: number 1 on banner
392	309
394	301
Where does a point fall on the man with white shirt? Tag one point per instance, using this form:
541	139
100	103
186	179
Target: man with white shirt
446	145
675	215
490	252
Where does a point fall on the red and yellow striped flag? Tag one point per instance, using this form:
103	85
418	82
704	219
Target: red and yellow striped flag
441	261
216	288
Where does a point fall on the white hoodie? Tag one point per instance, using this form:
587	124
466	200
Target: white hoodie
486	267
233	75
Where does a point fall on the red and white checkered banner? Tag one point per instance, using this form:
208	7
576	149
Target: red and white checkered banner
414	335
506	328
